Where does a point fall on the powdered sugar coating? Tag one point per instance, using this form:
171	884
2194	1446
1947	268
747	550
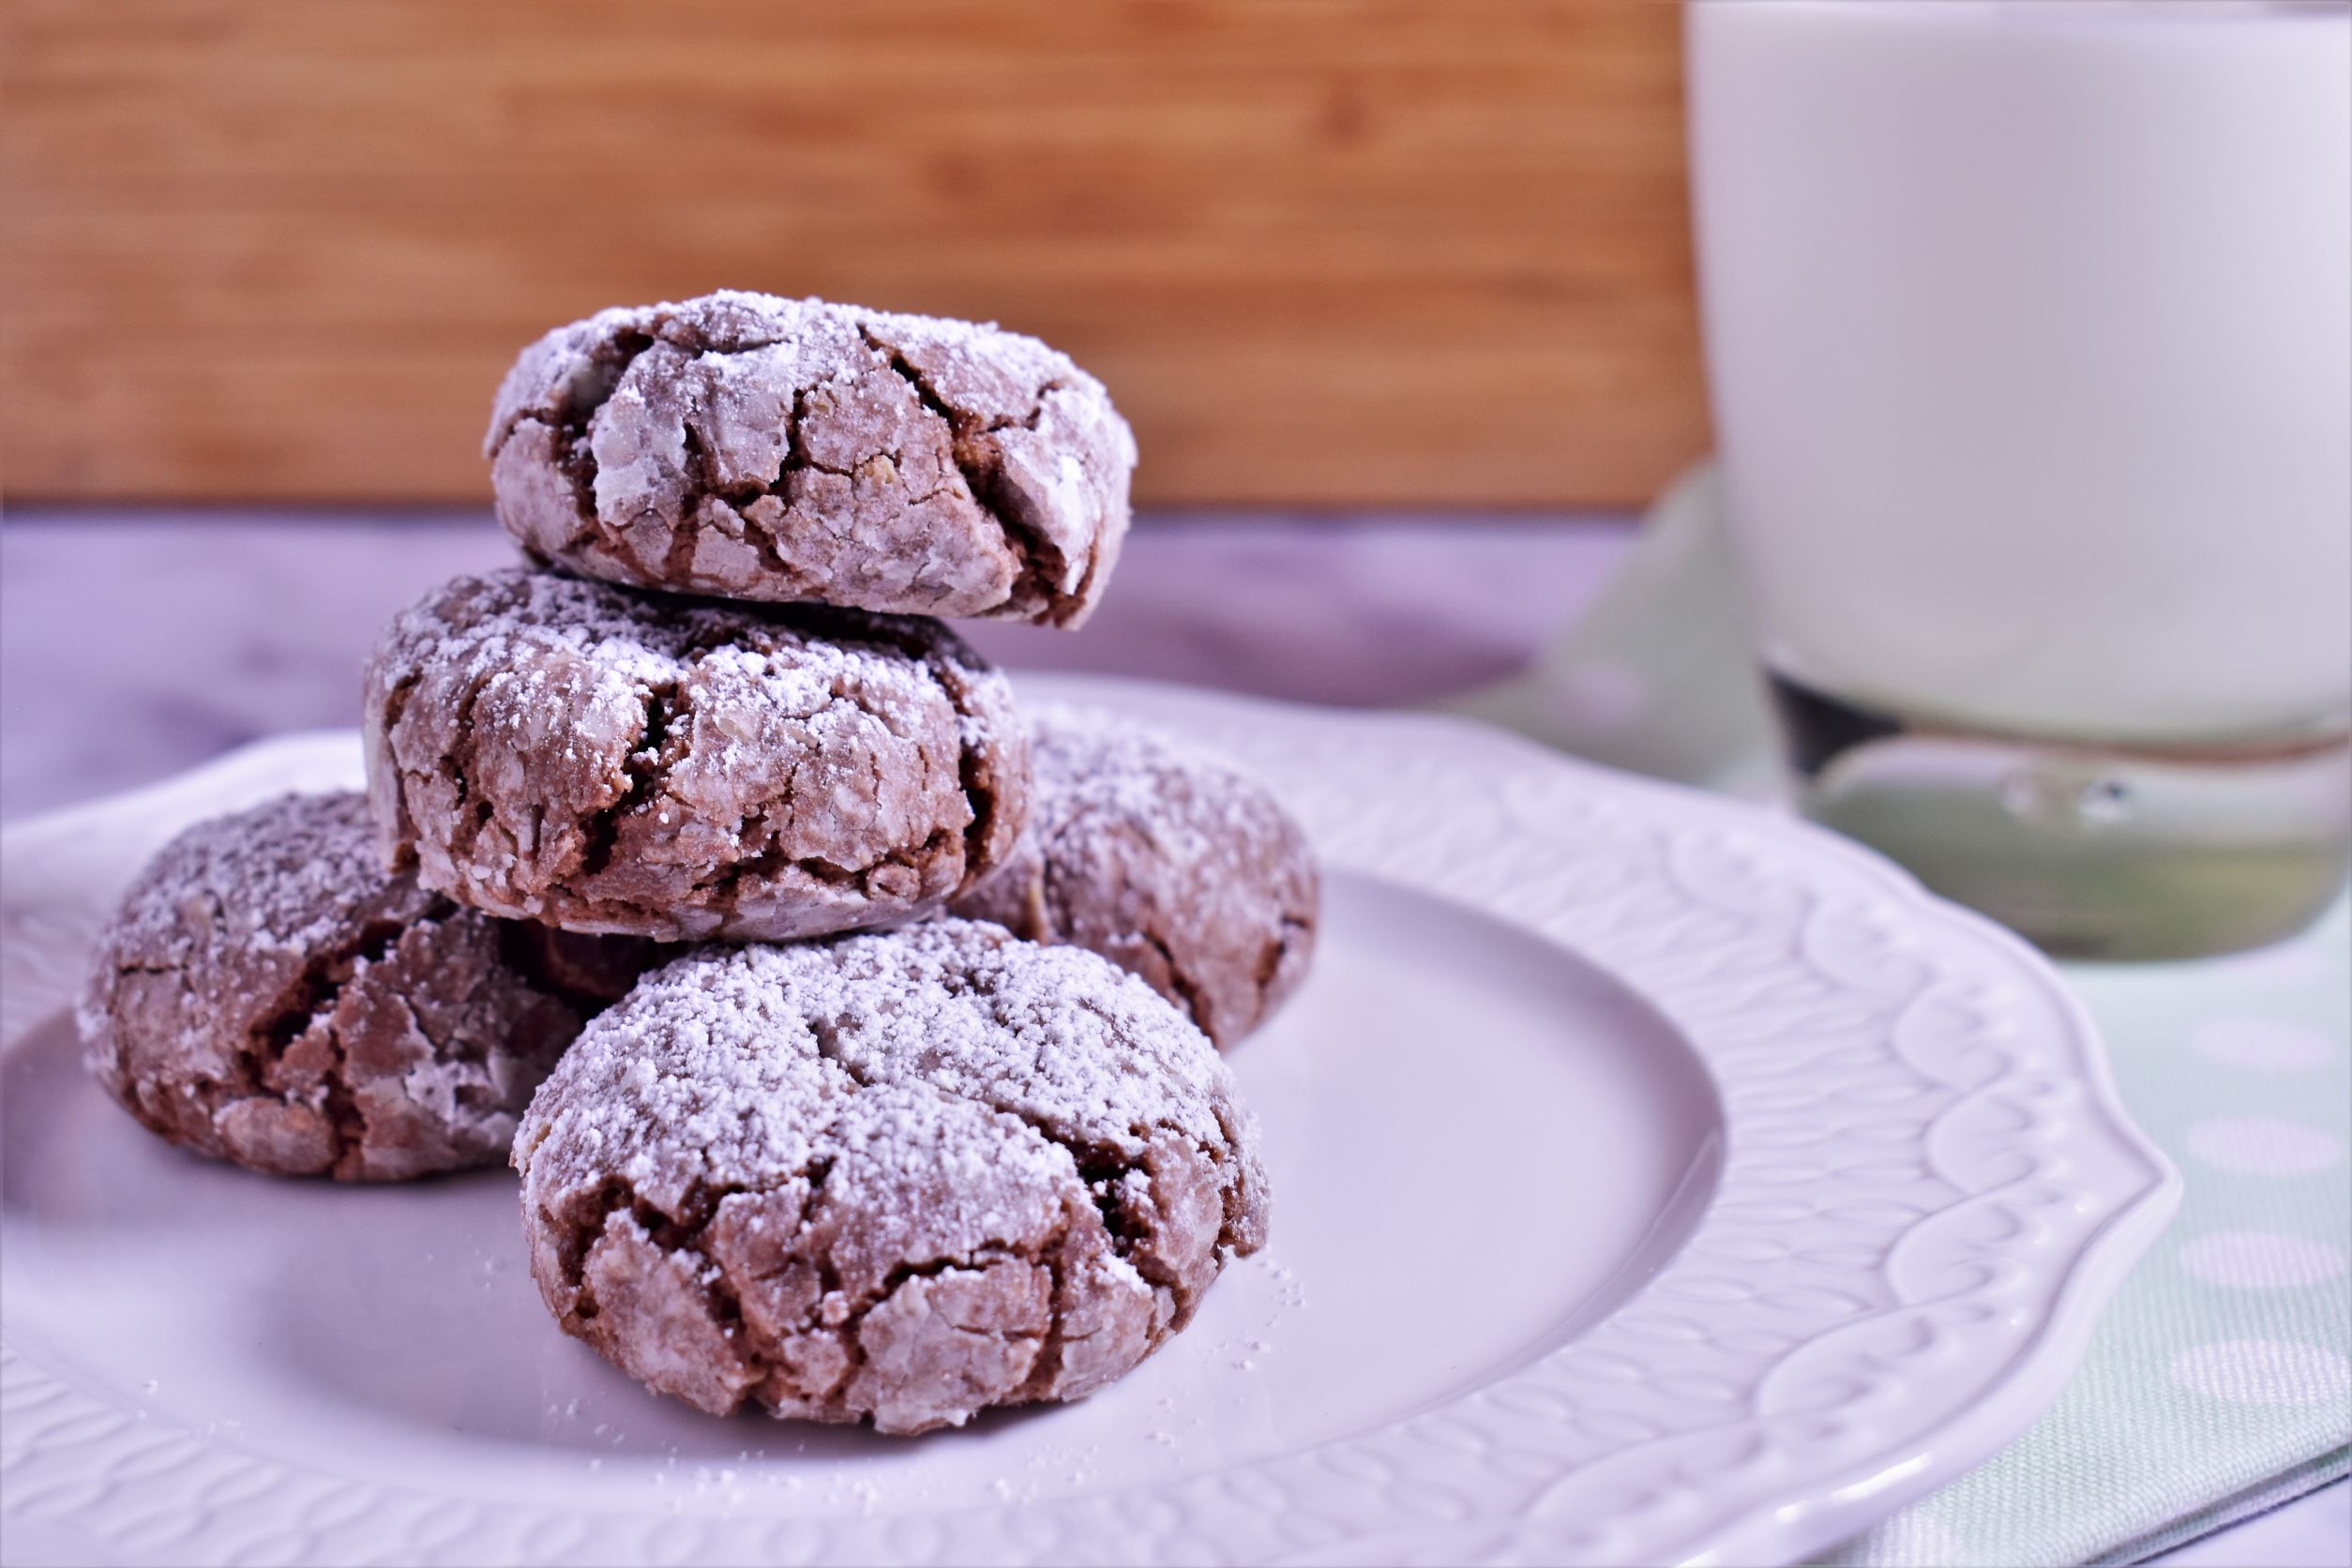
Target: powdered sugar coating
1166	860
552	748
901	1177
755	448
268	994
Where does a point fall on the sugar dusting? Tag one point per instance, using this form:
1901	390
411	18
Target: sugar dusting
726	1067
280	879
1166	859
1099	776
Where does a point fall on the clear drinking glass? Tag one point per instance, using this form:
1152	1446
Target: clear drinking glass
2029	331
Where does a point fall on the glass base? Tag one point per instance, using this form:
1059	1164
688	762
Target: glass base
2088	850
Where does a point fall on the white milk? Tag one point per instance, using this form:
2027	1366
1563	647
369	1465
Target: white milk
2029	331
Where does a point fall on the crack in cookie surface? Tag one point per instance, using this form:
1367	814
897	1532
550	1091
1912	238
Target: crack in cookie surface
268	993
1033	1168
765	448
1043	565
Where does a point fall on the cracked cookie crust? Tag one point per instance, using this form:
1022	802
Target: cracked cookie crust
900	1177
608	760
268	994
1165	861
752	448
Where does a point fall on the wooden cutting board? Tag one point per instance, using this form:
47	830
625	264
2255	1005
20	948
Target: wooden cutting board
1325	253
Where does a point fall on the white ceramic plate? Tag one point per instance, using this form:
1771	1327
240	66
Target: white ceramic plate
1655	1179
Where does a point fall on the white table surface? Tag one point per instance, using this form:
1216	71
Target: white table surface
135	646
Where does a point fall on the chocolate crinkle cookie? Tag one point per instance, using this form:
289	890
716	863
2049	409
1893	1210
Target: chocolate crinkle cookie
754	448
900	1176
603	759
269	994
1164	860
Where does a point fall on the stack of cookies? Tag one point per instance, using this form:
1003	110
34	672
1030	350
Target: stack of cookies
855	1034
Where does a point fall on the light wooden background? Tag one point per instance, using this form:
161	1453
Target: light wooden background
1328	252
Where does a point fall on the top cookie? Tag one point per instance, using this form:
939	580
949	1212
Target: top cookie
754	448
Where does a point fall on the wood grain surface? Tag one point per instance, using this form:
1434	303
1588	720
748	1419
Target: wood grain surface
1325	253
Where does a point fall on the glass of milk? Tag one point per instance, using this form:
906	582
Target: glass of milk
2028	332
